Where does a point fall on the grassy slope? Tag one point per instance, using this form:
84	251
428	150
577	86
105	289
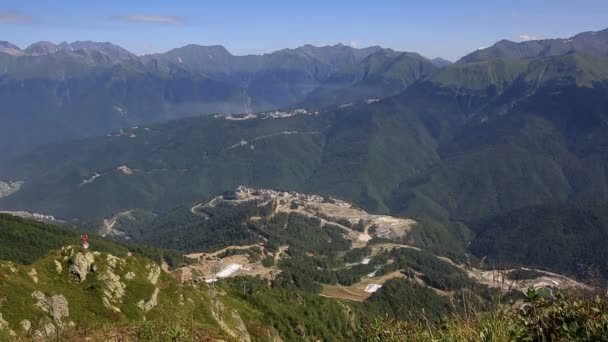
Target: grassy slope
24	241
190	309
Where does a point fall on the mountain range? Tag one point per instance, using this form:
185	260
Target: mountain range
87	88
450	146
304	193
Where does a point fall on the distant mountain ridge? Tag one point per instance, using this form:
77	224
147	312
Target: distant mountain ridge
85	88
440	62
401	154
89	88
593	42
43	48
380	74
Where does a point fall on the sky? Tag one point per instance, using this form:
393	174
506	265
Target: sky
433	28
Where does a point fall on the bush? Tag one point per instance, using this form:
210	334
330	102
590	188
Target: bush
561	318
268	261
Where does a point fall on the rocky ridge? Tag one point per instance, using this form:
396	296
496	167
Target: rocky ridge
43	301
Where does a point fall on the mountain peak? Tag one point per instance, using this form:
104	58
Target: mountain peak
106	48
440	62
10	49
41	48
595	43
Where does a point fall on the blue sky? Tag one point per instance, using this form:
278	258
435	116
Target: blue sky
446	29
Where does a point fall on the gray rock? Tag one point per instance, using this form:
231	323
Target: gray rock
3	323
26	325
56	306
34	275
40	301
58	266
150	304
154	273
114	290
46	330
81	265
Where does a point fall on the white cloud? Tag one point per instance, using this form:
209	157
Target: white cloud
354	44
527	36
151	18
13	17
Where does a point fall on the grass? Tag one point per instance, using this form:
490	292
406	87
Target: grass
563	317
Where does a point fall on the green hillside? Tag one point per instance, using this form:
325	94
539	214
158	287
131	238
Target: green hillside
564	238
132	297
25	241
381	74
69	293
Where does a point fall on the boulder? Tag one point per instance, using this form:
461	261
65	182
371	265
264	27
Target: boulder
151	303
58	266
3	323
46	330
154	273
26	325
56	306
80	265
114	290
34	275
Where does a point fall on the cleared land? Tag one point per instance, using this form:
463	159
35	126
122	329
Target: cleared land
357	292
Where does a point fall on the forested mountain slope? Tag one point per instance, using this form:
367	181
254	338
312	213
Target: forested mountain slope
88	89
468	141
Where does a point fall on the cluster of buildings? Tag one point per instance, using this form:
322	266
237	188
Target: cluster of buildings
243	192
267	115
43	217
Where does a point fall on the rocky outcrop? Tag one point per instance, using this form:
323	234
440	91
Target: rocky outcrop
3	323
46	330
34	275
114	261
231	322
40	301
58	267
26	325
113	291
11	267
56	306
154	273
81	264
151	303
